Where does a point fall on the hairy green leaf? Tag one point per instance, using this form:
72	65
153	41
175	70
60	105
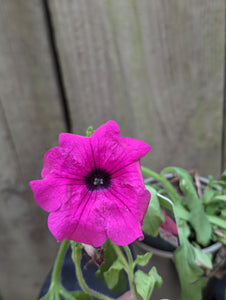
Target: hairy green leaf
220	198
112	275
154	216
197	218
217	221
142	260
146	283
110	258
208	195
203	259
190	274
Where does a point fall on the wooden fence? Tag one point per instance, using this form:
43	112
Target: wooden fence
154	66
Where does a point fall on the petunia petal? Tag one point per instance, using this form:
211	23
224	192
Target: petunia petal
122	226
104	142
83	223
113	152
51	193
60	163
136	149
79	147
128	187
61	224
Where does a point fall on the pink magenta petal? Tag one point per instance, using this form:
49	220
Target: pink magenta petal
122	226
61	224
51	193
60	163
112	152
84	224
128	186
135	148
79	147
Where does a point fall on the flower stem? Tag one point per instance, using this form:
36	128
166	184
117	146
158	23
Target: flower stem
58	263
121	257
128	266
163	181
131	274
77	256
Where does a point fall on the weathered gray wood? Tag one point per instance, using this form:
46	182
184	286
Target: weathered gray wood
156	67
30	120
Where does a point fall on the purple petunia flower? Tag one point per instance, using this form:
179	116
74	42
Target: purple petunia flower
93	187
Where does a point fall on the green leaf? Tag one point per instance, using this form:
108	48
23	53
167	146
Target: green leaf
223	175
190	274
48	296
222	239
208	195
217	221
110	258
112	275
165	202
223	213
220	198
142	260
146	283
197	218
203	259
80	295
182	225
89	131
154	216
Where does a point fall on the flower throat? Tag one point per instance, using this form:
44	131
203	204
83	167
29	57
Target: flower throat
98	179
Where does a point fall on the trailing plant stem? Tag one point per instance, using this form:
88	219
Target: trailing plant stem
128	266
59	262
131	273
121	257
77	256
163	181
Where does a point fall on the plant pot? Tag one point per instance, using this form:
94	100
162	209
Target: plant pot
163	262
162	259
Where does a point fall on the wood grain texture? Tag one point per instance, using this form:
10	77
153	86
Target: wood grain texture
156	67
30	120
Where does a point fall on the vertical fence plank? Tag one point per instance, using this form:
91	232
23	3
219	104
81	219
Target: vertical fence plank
154	66
30	119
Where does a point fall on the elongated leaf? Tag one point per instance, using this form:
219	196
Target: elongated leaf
220	198
48	296
217	221
208	195
110	258
142	260
154	216
112	275
223	214
197	218
203	259
146	283
165	202
190	274
222	240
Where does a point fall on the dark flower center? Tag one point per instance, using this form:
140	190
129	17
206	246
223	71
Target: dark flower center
98	179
